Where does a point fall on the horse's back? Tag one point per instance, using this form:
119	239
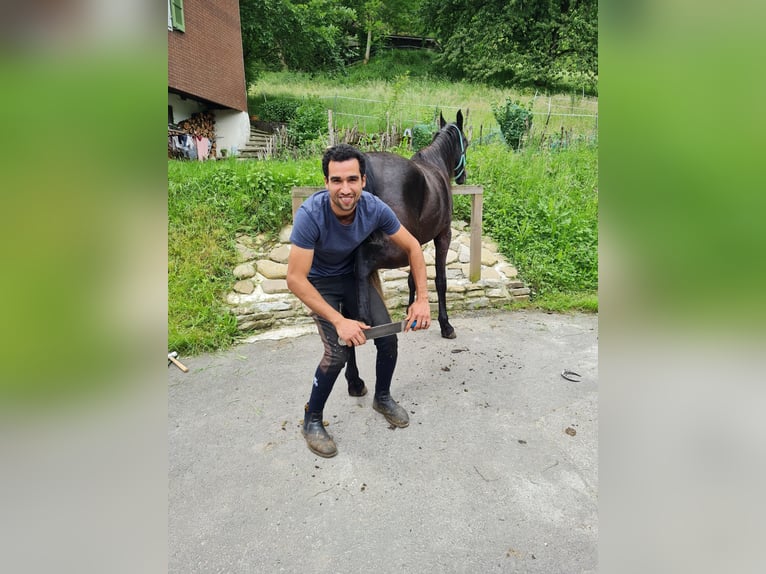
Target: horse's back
397	181
407	188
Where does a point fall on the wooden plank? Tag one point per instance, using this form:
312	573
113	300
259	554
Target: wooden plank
477	208
305	191
467	189
301	193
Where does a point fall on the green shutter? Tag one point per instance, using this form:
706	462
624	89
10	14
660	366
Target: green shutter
177	11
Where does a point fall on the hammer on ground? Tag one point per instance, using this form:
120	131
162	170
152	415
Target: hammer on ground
172	359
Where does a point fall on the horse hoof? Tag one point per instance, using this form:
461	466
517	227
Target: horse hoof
449	334
357	388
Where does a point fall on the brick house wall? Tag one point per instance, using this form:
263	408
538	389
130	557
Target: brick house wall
206	60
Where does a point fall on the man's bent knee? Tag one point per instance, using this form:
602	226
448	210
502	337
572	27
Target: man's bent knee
335	357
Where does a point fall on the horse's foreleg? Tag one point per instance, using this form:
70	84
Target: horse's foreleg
411	285
441	242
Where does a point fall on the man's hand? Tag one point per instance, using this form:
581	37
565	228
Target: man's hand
419	311
351	331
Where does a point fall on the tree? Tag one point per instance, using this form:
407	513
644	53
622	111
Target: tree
376	18
370	15
521	42
267	26
293	34
502	42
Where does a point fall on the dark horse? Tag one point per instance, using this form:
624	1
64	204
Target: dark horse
420	193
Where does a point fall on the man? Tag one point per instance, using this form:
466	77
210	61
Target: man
327	230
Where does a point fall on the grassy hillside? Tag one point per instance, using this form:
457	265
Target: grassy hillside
541	207
208	205
402	84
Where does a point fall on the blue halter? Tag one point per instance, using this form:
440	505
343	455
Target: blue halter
460	164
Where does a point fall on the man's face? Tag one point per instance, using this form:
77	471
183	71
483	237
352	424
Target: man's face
345	183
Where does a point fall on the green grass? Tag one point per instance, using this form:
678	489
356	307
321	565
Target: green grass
564	302
389	64
208	205
553	302
541	207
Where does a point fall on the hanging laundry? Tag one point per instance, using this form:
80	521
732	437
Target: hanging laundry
188	145
203	147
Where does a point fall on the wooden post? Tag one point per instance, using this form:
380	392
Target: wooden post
300	193
330	130
296	204
477	208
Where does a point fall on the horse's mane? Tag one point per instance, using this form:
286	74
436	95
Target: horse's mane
441	149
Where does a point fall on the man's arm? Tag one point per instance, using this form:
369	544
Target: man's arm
420	310
298	267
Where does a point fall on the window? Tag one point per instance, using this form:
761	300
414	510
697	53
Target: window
176	15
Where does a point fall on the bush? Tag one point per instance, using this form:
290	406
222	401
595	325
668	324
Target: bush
278	109
305	117
389	64
308	123
422	135
515	121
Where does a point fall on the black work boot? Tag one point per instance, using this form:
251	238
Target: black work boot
394	414
317	439
357	388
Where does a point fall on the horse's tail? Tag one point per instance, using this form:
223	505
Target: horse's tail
376	283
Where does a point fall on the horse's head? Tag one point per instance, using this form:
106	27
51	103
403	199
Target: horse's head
455	132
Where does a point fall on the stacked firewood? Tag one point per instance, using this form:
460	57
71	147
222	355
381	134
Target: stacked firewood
201	124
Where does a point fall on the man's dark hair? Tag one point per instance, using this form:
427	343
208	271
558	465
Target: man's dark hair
342	152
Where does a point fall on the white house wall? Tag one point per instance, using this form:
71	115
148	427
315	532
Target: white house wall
232	129
183	108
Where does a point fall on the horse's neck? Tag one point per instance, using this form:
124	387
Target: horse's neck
436	154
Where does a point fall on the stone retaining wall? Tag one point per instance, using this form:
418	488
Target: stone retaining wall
261	301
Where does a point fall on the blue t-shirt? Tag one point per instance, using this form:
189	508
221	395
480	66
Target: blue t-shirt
316	227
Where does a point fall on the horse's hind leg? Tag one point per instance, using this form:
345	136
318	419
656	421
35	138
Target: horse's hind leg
356	386
441	242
